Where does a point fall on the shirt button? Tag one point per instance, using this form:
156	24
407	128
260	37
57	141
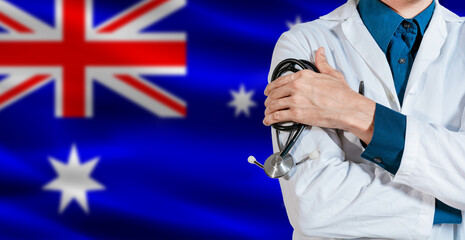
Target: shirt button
378	160
406	25
402	60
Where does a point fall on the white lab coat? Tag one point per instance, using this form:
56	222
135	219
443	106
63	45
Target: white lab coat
341	195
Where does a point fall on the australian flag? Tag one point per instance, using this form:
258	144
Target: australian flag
133	119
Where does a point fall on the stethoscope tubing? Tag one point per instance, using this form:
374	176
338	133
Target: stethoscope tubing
283	67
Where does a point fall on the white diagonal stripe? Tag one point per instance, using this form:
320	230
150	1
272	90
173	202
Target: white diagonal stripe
41	29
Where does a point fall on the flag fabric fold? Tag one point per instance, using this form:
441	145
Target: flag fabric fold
133	119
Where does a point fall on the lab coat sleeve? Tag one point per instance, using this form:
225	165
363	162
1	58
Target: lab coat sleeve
434	161
335	198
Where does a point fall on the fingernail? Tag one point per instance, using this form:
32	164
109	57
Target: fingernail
323	52
293	76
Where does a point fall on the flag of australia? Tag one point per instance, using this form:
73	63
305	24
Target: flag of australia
133	119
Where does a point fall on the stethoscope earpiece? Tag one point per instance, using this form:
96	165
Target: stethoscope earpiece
253	160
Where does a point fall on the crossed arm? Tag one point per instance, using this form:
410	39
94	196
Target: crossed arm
320	99
337	197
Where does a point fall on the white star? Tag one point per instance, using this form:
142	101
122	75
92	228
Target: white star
298	20
242	101
73	180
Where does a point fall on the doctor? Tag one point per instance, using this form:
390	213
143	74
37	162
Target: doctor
392	162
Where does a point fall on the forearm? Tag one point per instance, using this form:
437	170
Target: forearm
386	150
433	162
421	151
332	197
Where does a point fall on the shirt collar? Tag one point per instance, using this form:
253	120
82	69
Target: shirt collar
382	21
424	17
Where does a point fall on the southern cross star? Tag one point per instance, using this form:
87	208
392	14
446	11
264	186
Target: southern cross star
242	101
73	180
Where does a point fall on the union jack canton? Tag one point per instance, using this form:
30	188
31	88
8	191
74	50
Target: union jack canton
74	53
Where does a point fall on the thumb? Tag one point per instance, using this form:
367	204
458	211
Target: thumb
322	64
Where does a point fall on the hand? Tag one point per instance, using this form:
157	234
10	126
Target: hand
320	99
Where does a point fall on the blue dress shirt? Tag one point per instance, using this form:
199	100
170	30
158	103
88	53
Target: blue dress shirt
400	40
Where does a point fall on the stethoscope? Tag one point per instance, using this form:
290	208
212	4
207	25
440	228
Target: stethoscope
281	164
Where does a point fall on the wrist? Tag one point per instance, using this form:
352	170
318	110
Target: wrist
360	119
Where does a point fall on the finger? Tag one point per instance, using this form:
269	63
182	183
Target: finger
279	104
279	116
322	64
277	94
281	81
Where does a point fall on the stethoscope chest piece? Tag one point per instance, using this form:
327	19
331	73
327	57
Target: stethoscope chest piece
276	166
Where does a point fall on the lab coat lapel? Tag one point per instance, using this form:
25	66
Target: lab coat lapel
430	49
361	40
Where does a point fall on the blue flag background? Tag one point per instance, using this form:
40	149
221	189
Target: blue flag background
164	178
